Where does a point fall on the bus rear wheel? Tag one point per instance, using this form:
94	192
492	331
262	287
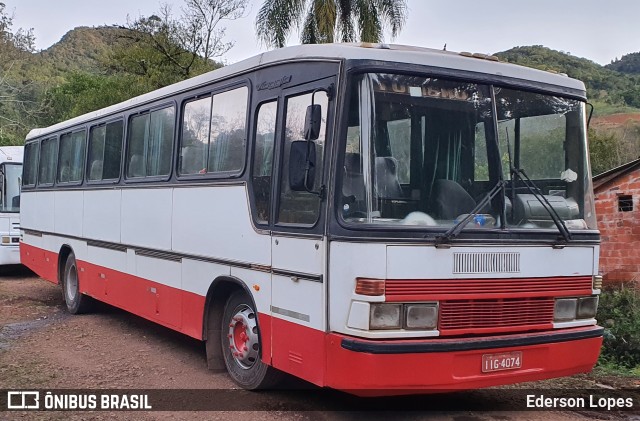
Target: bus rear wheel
241	347
77	302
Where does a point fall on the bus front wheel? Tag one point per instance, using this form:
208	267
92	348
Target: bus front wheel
77	303
241	347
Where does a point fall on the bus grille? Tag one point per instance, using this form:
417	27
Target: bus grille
499	315
441	289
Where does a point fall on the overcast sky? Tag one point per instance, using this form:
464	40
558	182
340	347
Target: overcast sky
598	30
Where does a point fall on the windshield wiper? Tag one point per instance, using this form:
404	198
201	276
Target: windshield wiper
535	191
459	226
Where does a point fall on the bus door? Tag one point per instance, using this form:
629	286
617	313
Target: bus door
298	302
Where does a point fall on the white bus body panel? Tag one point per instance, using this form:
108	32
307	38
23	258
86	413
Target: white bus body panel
215	222
296	298
101	218
419	262
68	213
146	218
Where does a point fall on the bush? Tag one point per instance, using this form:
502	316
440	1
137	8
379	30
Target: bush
619	313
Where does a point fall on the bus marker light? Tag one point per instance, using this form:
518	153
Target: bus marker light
371	287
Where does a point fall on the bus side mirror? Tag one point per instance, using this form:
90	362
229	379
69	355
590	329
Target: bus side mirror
302	165
312	122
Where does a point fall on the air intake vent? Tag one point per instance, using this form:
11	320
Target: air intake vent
486	262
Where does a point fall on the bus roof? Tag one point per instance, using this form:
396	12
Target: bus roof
11	154
476	63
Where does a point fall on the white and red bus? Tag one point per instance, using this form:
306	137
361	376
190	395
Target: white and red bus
10	173
371	218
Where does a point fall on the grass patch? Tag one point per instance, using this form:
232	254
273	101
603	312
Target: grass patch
604	109
619	313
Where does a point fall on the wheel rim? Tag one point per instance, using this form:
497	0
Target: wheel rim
244	341
71	283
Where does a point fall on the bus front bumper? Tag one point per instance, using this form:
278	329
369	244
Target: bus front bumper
374	367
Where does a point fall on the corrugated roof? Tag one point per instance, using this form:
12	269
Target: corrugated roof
603	178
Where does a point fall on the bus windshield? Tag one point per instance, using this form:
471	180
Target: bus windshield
427	152
10	187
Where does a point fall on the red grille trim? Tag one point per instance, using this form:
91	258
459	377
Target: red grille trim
483	316
451	289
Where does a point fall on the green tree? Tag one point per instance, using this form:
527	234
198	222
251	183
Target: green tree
19	106
603	151
85	92
325	21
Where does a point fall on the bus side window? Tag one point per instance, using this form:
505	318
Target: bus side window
263	159
301	207
150	143
228	140
105	148
71	157
31	161
48	161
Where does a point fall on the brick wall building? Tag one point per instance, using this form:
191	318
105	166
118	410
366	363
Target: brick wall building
617	194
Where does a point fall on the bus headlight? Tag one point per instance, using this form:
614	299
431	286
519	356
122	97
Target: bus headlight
6	240
587	307
565	309
421	316
385	316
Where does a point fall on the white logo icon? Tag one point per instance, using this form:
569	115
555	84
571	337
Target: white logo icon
23	400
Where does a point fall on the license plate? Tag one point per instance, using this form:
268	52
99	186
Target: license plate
499	362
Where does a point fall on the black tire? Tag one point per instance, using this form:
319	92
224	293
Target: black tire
241	346
77	303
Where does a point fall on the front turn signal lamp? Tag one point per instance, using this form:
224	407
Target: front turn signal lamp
371	287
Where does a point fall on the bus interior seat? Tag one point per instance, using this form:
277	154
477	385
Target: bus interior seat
136	166
386	177
192	160
353	184
95	172
450	200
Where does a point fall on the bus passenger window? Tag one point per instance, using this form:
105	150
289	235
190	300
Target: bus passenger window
213	138
105	149
48	160
263	159
195	136
31	162
71	157
150	143
301	207
228	140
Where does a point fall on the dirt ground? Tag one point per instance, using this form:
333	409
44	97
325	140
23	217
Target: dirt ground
42	347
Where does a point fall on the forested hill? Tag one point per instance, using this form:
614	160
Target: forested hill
629	63
614	84
80	50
